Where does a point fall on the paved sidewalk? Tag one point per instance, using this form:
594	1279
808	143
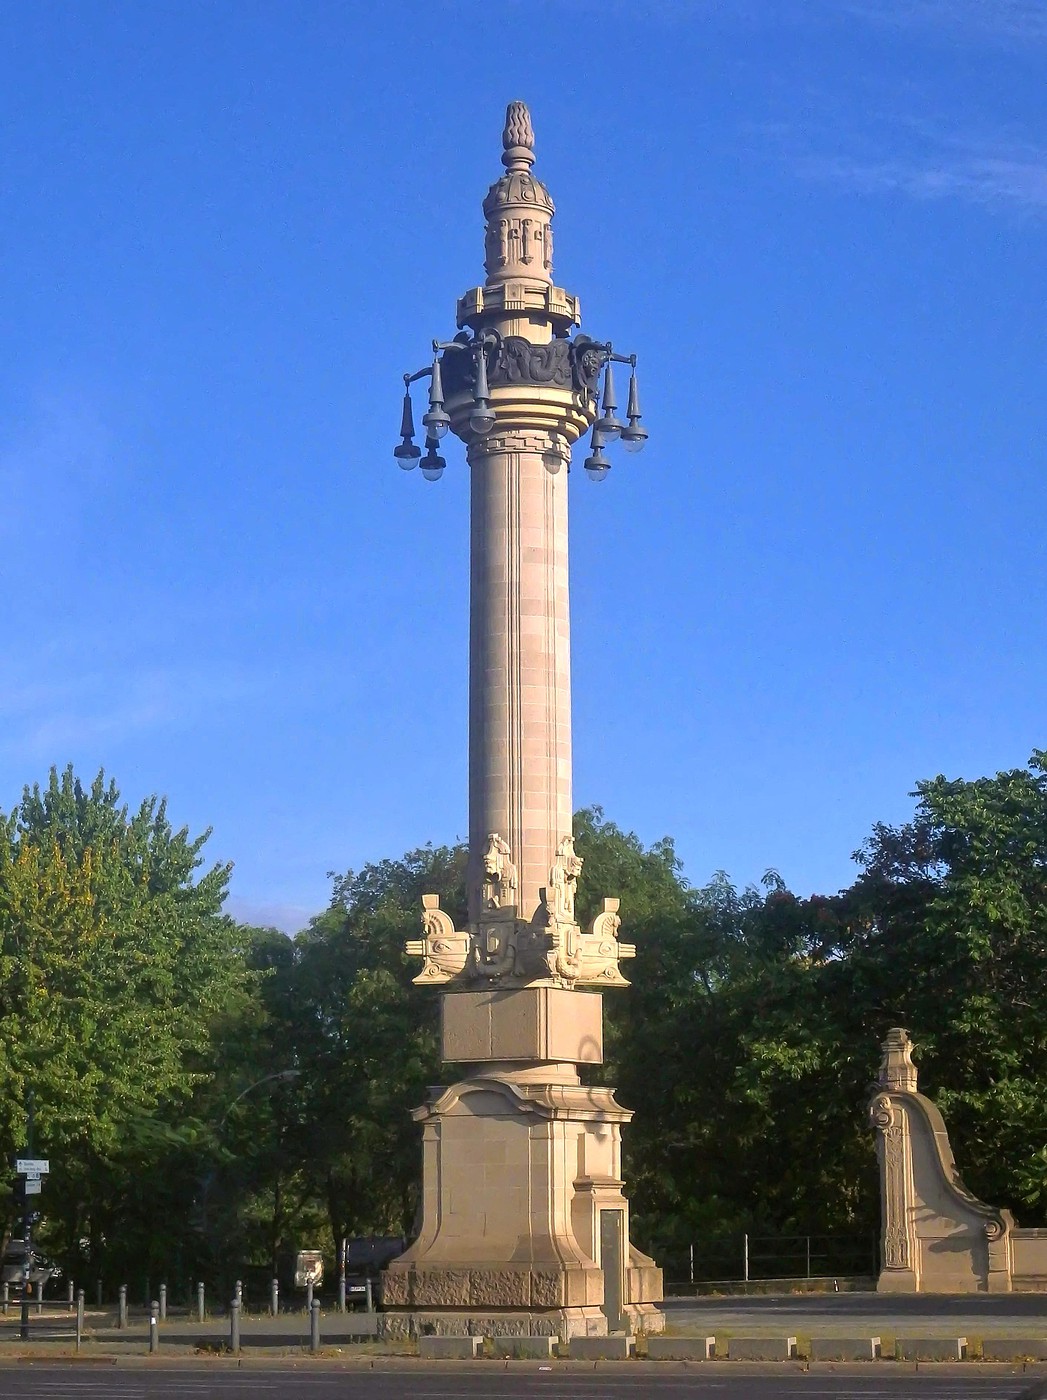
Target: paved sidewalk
863	1314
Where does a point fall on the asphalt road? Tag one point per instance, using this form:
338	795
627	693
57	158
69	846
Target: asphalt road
480	1381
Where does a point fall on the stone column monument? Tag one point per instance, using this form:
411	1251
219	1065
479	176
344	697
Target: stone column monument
525	1227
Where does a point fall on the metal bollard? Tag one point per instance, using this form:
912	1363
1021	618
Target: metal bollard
69	1298
274	1297
369	1295
341	1294
7	1296
199	1302
154	1330
121	1317
314	1326
79	1318
98	1293
309	1296
163	1302
234	1326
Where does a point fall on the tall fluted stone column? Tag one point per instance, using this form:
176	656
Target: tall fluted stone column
525	1225
520	682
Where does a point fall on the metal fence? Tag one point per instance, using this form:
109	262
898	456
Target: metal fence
749	1258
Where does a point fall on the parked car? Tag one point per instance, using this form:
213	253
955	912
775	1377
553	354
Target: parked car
40	1268
365	1258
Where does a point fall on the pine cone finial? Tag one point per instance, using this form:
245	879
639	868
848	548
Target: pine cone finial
517	137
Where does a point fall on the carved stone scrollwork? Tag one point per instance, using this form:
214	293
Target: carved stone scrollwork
502	948
445	950
897	1071
881	1113
515	188
897	1242
572	956
520	362
600	950
494	949
563	364
586	362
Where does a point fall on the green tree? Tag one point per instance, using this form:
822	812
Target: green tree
115	961
365	1040
948	936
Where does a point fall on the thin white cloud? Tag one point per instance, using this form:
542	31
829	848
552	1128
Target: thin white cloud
49	719
1012	20
996	178
288	918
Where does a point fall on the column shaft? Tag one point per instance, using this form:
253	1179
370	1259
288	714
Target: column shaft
519	682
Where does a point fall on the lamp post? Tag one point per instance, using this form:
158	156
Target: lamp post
281	1074
523	1210
28	1217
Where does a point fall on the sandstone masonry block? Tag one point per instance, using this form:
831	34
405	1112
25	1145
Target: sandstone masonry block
524	1348
846	1349
498	1288
1014	1349
602	1348
761	1348
931	1348
395	1289
449	1348
546	1288
441	1288
681	1348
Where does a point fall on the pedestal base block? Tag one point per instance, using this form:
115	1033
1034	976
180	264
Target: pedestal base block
525	1229
529	1024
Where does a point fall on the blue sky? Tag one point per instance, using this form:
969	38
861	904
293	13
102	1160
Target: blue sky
228	228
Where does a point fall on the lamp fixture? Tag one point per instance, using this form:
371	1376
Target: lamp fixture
485	351
436	421
432	463
634	435
408	451
609	425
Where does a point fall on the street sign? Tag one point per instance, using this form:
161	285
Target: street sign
308	1268
33	1185
26	1166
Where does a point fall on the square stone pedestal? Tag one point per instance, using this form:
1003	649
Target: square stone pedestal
525	1228
526	1024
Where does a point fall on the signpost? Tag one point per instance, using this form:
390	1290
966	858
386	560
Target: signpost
31	1172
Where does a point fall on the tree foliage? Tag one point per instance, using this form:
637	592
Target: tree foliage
115	960
158	1036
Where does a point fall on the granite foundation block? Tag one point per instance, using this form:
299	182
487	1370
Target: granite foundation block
601	1348
361	1324
846	1349
449	1348
761	1349
681	1348
931	1348
524	1348
1014	1349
